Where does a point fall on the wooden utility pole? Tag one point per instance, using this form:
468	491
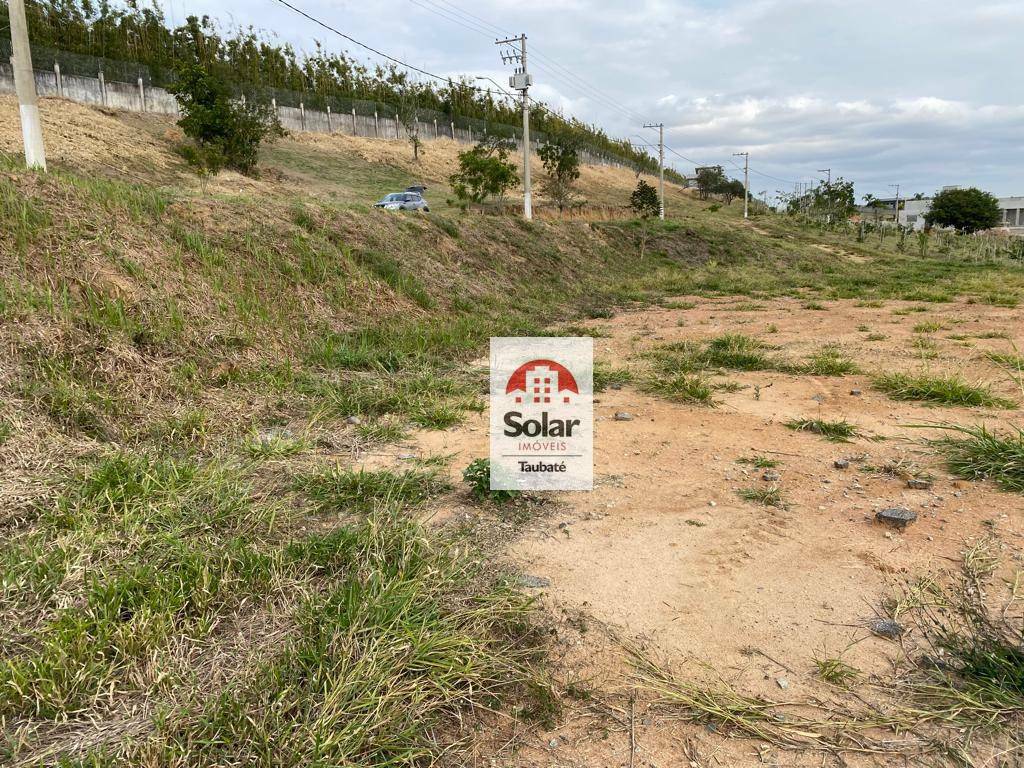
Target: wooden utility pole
661	167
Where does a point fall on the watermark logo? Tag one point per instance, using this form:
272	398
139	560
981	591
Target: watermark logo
542	414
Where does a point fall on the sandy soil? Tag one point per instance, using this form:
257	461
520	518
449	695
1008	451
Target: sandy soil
663	552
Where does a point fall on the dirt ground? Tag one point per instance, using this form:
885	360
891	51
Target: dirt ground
664	552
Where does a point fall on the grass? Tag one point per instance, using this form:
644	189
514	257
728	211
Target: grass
930	326
835	671
976	453
942	389
606	376
478	475
830	360
340	489
398	641
766	496
836	431
681	388
730	351
274	444
760	462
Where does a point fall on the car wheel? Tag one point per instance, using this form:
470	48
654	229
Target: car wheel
425	208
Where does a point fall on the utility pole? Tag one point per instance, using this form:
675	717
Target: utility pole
828	186
521	80
25	86
661	167
897	202
746	181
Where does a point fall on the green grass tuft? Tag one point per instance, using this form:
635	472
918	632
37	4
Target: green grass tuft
681	388
975	453
836	431
945	390
768	496
830	360
345	490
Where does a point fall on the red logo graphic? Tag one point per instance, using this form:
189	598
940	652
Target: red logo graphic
539	380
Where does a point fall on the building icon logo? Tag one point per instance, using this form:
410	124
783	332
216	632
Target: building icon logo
542	382
542	413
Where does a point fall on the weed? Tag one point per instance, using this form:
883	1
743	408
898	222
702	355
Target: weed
835	671
273	444
945	390
679	304
386	431
876	337
767	496
681	388
815	305
976	453
830	360
478	475
760	462
836	431
344	490
606	376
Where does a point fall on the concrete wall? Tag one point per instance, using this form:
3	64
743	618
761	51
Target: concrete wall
134	97
1012	208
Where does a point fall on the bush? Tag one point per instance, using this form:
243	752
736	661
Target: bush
485	171
227	133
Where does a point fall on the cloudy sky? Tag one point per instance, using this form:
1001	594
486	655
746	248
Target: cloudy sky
922	94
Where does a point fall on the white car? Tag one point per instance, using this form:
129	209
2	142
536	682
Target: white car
403	201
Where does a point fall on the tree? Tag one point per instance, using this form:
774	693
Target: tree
967	210
730	189
227	133
485	171
644	201
561	160
408	117
709	180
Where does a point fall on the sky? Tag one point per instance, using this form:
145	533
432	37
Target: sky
920	94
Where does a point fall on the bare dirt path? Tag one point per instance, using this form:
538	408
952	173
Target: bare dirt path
666	553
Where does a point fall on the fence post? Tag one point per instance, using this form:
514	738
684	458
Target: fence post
103	89
142	94
59	79
302	116
328	118
435	127
398	133
353	121
453	130
471	134
376	125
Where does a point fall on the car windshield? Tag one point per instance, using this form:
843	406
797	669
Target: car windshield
392	198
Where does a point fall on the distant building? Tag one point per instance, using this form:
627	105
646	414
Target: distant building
912	213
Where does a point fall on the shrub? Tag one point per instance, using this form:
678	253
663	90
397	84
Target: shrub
484	171
562	165
227	133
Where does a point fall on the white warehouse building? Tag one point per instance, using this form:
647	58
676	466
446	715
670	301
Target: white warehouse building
913	211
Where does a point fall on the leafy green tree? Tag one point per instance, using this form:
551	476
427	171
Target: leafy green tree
485	171
561	159
709	181
227	132
644	201
967	210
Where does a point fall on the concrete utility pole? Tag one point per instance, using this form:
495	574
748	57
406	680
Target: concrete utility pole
521	81
661	167
828	216
746	182
25	86
897	208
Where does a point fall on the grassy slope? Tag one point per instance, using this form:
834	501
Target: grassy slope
177	375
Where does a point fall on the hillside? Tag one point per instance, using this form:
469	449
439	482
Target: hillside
230	441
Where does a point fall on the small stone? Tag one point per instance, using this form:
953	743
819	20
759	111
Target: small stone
919	483
855	392
841	463
553	743
887	628
616	385
897	517
712	503
782	682
771	476
533	582
623	416
406	456
354	420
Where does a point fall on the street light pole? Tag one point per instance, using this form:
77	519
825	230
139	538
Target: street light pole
746	181
661	167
